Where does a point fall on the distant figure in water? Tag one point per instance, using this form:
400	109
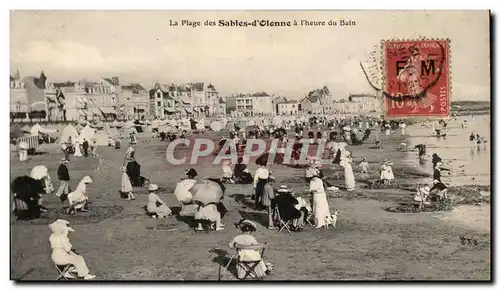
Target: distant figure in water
421	150
472	137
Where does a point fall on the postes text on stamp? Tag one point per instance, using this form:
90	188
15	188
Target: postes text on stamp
417	78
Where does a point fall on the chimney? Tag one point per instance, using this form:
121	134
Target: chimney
116	81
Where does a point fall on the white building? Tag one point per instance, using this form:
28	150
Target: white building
288	108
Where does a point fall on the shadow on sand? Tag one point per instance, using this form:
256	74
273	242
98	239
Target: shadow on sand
222	259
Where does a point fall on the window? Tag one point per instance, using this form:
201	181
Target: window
158	95
158	103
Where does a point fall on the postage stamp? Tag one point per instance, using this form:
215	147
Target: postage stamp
417	78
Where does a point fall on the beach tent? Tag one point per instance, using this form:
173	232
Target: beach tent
86	133
26	129
69	131
101	138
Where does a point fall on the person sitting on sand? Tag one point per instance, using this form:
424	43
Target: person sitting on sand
156	206
244	243
62	252
241	173
386	174
77	199
363	166
439	189
227	172
286	202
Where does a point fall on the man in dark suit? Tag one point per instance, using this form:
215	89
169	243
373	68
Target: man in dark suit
63	176
286	202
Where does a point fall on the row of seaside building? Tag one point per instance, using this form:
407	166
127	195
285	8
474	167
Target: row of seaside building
107	99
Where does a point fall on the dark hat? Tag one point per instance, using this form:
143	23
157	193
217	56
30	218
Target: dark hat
246	225
191	172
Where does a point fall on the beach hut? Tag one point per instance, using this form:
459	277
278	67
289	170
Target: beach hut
69	131
86	133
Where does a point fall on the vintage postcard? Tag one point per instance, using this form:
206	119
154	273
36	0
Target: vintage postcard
250	145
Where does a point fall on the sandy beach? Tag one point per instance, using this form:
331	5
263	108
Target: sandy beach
119	241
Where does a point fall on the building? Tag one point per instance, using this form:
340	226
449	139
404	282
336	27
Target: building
188	100
134	101
248	105
27	97
288	108
84	100
358	104
317	102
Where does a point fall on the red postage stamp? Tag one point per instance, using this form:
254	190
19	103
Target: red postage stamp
417	78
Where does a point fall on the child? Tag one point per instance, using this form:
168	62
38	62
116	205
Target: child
156	207
363	166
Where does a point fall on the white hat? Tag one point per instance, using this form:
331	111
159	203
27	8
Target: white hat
284	189
87	179
153	187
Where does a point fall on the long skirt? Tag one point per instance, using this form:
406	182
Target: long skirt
350	182
161	210
126	185
250	255
259	190
321	209
61	257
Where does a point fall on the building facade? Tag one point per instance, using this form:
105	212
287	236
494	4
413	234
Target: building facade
27	97
288	108
188	100
83	100
134	101
248	105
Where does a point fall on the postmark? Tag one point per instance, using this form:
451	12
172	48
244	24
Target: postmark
416	78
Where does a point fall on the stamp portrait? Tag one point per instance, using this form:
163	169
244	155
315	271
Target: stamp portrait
417	78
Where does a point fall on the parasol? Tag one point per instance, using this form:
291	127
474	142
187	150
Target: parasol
182	190
39	172
26	129
264	158
216	126
207	191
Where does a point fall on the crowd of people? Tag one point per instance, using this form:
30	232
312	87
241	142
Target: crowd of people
202	199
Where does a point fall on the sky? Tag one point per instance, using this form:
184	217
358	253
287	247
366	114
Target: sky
142	46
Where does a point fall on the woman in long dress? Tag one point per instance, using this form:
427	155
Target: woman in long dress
260	179
126	185
78	199
349	175
156	206
246	251
62	252
320	203
78	152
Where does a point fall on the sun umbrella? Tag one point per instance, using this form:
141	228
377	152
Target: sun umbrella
206	192
216	126
38	172
264	159
26	129
182	190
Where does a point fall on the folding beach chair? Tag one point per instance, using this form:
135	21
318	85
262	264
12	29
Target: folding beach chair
248	266
64	270
282	224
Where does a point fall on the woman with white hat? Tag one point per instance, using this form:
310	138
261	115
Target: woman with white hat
62	252
386	174
244	243
77	199
156	206
350	182
321	208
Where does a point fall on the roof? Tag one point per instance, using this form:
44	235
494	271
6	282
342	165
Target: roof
198	86
36	81
64	84
288	102
135	87
112	81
